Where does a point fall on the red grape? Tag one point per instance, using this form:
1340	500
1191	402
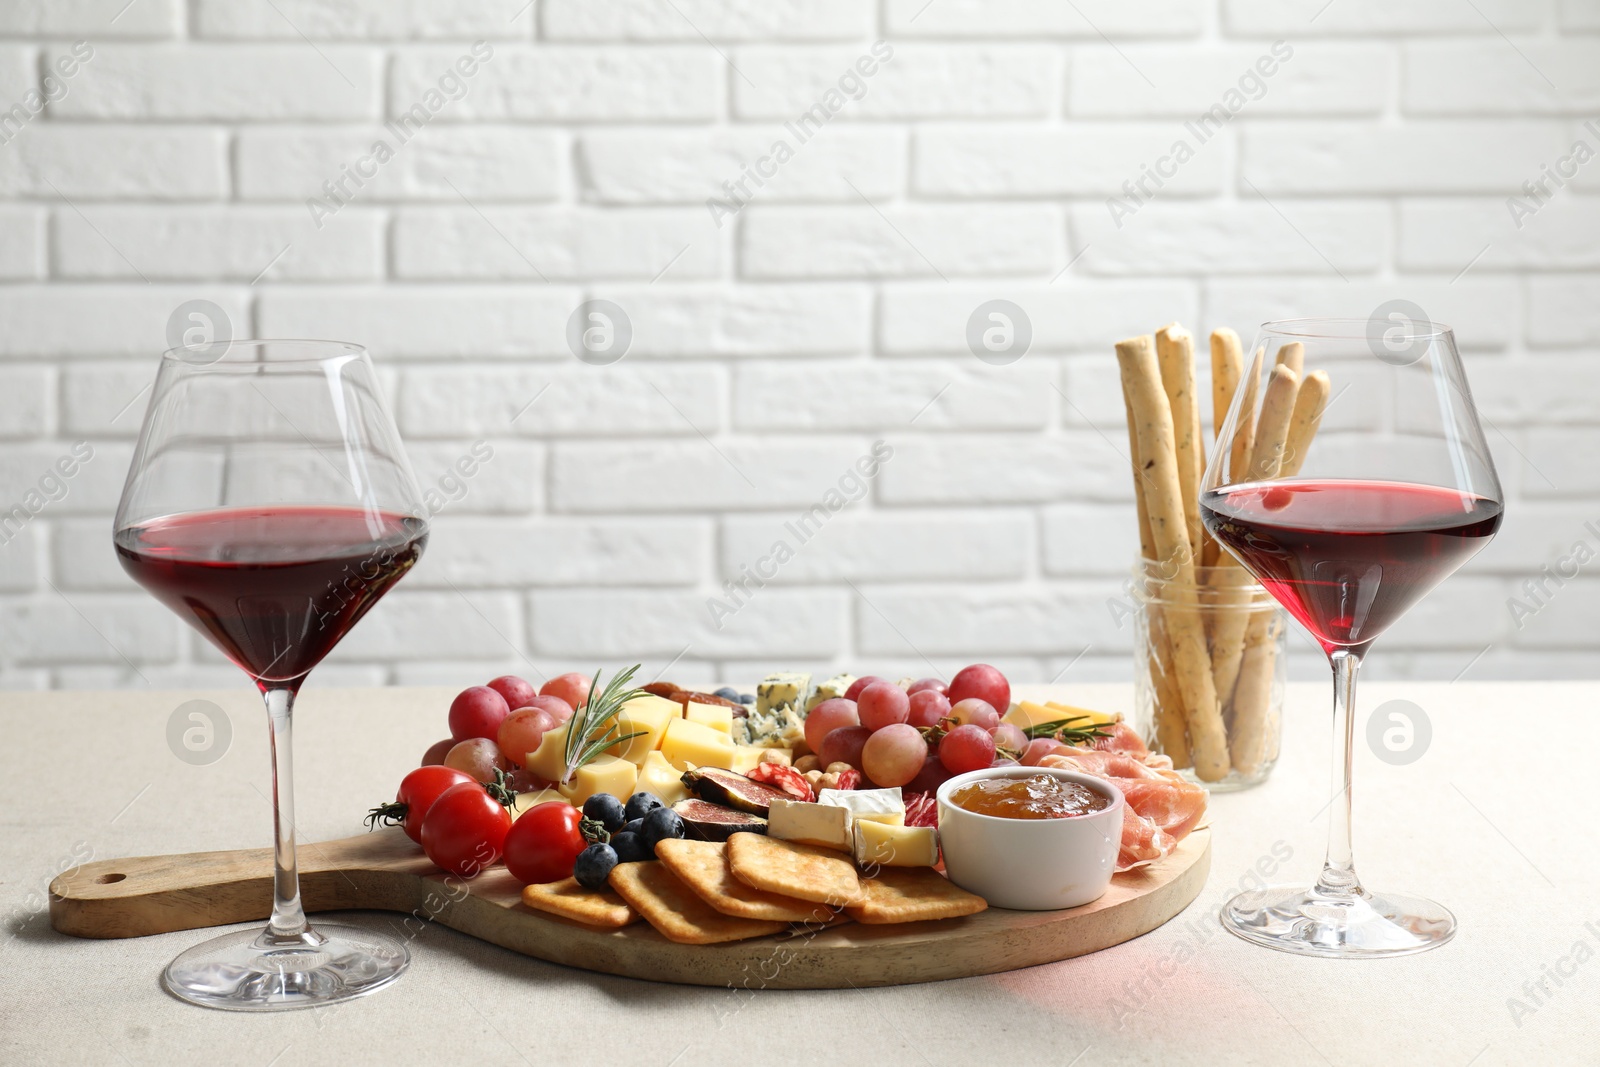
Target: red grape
844	745
982	681
521	732
436	752
517	691
930	778
573	688
977	712
859	684
477	711
1008	736
929	684
826	716
558	710
927	708
882	704
966	748
1038	749
894	755
479	757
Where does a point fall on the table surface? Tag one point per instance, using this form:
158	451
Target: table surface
91	775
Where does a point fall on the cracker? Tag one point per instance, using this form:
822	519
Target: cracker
804	872
569	900
677	912
703	867
912	894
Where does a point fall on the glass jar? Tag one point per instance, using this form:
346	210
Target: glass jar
1221	730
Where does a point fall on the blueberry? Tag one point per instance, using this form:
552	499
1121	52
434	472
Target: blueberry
728	693
630	847
640	805
633	826
747	698
593	865
661	824
607	809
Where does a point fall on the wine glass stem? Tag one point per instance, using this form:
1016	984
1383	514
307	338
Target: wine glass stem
288	918
1338	870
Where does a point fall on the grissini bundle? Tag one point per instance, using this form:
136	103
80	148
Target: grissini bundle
1170	729
1158	481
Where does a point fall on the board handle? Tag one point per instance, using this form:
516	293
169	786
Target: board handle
145	895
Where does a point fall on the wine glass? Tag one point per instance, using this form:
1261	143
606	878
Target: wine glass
270	504
1348	526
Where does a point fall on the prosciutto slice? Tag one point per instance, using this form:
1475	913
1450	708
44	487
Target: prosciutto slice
1161	808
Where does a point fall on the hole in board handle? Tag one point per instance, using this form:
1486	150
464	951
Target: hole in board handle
107	879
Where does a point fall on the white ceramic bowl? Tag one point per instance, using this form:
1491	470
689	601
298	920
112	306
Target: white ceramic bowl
1031	864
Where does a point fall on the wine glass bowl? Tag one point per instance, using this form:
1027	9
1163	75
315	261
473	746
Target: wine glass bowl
270	505
1350	478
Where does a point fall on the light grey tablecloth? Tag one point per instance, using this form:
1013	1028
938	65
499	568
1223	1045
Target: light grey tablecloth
1495	819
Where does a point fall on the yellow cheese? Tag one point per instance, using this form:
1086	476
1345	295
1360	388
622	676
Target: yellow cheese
1027	713
534	799
549	760
606	774
712	715
647	715
895	846
746	758
661	779
692	744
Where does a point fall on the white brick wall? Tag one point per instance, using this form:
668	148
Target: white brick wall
826	308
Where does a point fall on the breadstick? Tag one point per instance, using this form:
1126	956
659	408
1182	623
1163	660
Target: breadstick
1244	435
1272	429
1293	356
1248	744
1141	385
1175	350
1309	404
1169	716
1227	366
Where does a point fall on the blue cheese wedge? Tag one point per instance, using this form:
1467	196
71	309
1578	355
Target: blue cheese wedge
779	690
826	825
884	845
782	728
837	686
870	805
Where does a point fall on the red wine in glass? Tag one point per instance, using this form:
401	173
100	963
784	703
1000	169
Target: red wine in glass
1348	557
275	588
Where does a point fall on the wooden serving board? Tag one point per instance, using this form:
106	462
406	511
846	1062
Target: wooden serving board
385	871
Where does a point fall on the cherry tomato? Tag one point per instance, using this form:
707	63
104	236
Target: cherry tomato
418	790
465	830
544	843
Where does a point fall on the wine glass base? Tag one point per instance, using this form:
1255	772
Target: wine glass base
251	970
1359	925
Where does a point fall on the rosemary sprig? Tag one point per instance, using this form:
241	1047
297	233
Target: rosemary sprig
1063	730
594	725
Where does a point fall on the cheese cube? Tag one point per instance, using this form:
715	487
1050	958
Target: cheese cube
661	779
549	760
827	825
648	715
837	686
713	715
533	799
691	744
870	805
776	690
746	758
884	845
604	774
